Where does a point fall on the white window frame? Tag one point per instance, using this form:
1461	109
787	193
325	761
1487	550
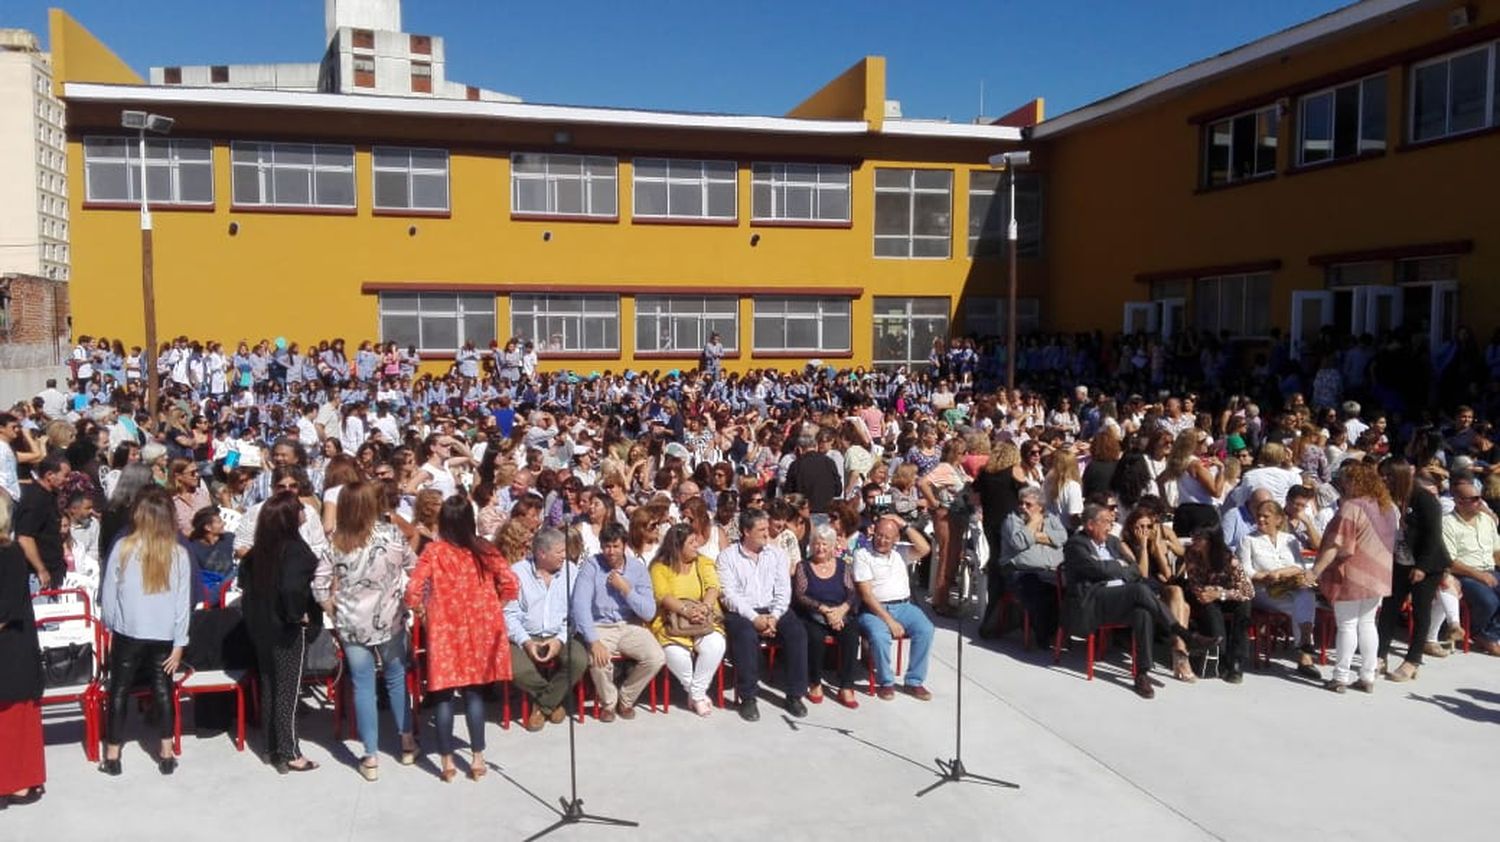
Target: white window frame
172	161
553	183
536	308
768	307
266	168
1229	176
669	312
908	319
1360	141
703	179
1491	105
412	172
1218	281
432	305
781	178
911	236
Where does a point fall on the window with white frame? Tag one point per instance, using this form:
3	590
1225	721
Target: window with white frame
410	179
1456	93
1237	304
685	322
794	323
913	213
1240	147
799	192
178	171
293	175
989	214
989	317
561	323
564	185
682	189
1342	122
437	321
906	327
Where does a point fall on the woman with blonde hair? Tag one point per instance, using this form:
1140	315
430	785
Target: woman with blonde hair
1354	570
360	580
145	601
1199	479
1063	488
945	488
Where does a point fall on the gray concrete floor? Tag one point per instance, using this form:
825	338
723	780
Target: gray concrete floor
1274	758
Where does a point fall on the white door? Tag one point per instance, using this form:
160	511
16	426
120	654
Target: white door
1173	316
1443	325
1141	317
1376	309
1312	310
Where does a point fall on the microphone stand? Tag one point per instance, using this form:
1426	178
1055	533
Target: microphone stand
953	771
572	806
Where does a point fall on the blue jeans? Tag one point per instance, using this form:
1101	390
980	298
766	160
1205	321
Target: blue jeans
361	663
918	631
473	716
1484	608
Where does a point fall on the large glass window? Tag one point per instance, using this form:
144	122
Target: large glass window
293	175
1241	147
913	213
682	189
815	325
559	323
410	179
178	171
1237	304
564	185
1456	94
685	322
906	327
437	321
1342	122
988	317
800	192
988	213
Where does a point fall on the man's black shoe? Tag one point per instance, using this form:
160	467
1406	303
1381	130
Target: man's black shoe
796	708
1143	686
750	711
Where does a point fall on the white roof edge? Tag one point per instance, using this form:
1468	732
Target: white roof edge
1327	24
969	131
246	97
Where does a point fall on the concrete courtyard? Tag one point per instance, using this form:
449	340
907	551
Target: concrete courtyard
1274	758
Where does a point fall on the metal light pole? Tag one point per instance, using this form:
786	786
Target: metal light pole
143	122
1009	161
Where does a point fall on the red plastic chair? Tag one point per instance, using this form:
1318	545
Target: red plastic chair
200	682
1093	642
1267	628
89	695
592	692
900	643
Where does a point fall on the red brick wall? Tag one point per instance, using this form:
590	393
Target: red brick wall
37	312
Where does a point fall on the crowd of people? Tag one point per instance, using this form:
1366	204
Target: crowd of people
494	523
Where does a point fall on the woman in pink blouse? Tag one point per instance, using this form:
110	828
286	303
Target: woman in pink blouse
1354	570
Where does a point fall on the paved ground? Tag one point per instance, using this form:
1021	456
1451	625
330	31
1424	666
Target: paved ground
1274	758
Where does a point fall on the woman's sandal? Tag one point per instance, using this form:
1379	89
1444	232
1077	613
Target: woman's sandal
408	753
477	770
1182	669
368	770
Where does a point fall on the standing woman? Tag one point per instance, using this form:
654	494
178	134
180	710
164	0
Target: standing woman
943	487
145	601
1063	490
360	581
1354	570
1419	569
23	764
458	589
1199	483
276	577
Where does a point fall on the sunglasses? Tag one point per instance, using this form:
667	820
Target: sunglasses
287	486
1467	499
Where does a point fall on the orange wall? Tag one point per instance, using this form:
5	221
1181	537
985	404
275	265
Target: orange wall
1123	197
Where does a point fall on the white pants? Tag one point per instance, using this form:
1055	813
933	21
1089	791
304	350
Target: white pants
695	674
1300	605
1444	607
1356	624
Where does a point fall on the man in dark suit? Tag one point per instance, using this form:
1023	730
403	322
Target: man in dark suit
1103	587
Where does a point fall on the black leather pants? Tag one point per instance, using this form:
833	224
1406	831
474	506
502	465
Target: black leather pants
128	659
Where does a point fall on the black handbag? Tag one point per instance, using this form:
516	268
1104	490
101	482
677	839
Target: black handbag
67	666
321	657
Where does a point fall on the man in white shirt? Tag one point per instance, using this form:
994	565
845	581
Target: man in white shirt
885	588
10	482
54	402
756	586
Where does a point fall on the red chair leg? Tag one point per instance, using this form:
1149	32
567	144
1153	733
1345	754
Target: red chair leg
1089	653
176	722
239	718
900	652
720	679
1134	664
581	707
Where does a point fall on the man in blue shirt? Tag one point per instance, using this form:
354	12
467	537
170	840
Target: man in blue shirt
612	603
536	623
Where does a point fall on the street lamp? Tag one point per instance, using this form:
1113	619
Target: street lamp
143	122
1009	161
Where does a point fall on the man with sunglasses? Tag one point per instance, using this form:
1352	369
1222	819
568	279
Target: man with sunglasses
1474	545
284	478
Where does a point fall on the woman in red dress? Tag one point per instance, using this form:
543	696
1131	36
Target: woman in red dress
457	589
23	767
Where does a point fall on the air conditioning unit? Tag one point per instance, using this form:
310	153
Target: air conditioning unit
1460	17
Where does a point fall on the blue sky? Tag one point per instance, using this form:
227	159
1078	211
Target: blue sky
738	57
